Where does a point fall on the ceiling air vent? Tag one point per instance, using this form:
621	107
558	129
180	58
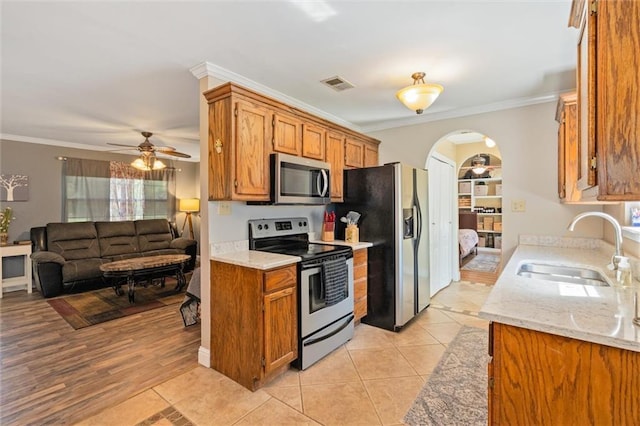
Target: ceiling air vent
337	83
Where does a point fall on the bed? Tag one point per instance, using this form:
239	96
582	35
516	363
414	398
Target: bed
467	235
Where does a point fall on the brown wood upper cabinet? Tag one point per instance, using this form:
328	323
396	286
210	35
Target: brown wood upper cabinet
313	141
245	127
287	134
567	116
354	153
359	153
239	132
335	157
608	98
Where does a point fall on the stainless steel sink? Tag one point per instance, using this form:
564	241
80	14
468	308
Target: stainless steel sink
565	274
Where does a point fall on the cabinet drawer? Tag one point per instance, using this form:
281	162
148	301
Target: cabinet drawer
360	257
280	278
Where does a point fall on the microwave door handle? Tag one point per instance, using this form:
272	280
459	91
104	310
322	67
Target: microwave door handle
325	182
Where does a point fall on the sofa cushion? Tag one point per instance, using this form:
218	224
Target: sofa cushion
73	240
82	269
153	234
118	239
163	251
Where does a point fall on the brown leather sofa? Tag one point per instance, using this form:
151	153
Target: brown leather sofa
67	256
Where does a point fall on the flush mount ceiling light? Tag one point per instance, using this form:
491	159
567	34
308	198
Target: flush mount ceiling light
478	165
489	142
419	96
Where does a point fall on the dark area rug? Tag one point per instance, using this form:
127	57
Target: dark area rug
97	306
456	391
483	262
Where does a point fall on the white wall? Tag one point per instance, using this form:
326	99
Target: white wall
527	140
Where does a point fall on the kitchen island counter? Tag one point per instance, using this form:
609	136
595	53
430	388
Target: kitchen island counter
600	315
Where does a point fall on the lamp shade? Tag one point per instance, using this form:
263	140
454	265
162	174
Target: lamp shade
419	96
189	205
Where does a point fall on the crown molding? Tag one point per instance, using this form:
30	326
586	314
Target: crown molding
205	69
463	112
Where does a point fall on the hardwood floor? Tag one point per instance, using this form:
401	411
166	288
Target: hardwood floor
480	277
53	374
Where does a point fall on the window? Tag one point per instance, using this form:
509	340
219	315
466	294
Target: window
111	191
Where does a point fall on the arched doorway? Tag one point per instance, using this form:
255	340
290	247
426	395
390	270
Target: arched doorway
461	148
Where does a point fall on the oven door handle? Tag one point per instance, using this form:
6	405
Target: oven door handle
333	333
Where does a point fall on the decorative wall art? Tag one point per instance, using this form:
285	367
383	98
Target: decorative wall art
14	187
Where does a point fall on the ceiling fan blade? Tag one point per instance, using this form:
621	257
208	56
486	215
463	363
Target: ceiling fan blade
164	148
176	154
119	144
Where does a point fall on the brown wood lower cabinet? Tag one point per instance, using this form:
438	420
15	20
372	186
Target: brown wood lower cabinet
360	283
544	379
254	329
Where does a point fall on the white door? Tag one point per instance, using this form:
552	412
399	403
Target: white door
442	222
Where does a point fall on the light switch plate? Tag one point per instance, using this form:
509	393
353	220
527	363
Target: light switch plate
224	208
518	206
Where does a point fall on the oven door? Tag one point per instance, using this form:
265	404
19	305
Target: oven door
314	314
297	180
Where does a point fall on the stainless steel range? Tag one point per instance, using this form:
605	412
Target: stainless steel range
325	284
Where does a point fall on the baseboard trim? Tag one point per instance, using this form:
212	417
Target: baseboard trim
204	357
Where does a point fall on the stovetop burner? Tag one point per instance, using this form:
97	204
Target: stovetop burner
289	236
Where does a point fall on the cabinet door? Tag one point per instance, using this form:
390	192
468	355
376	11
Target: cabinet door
618	99
587	100
354	153
360	283
287	134
370	155
313	140
335	157
251	180
280	329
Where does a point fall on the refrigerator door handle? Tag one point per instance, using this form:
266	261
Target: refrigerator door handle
418	217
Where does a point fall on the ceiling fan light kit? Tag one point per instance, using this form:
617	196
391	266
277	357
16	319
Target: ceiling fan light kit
420	95
148	160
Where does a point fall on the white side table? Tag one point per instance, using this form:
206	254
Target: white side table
17	250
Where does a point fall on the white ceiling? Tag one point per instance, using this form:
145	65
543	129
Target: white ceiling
87	73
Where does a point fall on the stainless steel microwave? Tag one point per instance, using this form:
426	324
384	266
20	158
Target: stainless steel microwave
298	180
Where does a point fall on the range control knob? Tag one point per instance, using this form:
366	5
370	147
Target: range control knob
305	223
259	227
266	226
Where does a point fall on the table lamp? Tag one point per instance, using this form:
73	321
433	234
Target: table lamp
189	205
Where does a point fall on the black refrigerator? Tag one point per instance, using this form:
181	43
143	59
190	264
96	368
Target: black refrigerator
393	202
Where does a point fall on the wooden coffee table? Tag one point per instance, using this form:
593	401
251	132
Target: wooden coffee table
139	268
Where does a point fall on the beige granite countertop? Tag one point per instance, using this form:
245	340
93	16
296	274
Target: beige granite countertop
595	314
255	259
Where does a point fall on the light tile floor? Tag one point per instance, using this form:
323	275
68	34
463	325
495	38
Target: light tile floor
371	380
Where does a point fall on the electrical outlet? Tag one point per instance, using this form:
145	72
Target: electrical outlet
518	206
224	208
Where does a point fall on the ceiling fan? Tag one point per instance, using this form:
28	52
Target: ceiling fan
148	160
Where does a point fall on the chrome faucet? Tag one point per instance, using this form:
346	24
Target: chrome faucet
615	259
